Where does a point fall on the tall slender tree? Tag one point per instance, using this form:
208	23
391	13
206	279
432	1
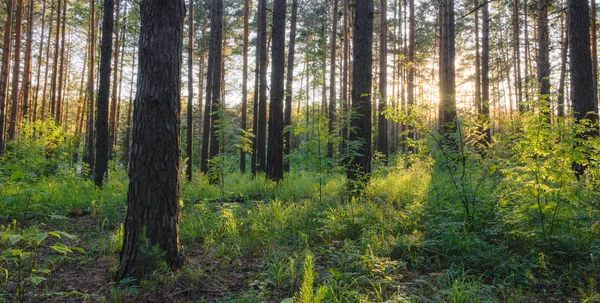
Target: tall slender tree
543	55
410	77
517	55
6	54
332	95
359	167
28	58
288	86
113	118
382	125
261	140
14	107
56	62
275	147
190	106
89	157
447	114
244	84
153	195
485	70
215	109
39	62
102	132
61	69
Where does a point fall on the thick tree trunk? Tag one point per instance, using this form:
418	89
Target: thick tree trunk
332	94
543	56
359	166
190	106
102	131
6	53
288	87
594	41
582	92
215	111
204	157
153	195
244	85
382	127
14	107
275	147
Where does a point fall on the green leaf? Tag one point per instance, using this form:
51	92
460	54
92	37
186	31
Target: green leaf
288	300
60	248
53	233
79	249
15	252
39	238
35	280
14	238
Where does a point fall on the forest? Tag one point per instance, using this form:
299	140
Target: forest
299	151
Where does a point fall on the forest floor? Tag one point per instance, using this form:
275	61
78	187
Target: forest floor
409	238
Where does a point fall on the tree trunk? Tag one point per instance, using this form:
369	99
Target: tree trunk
14	108
215	110
332	94
485	72
275	147
27	71
345	102
254	158
6	53
410	87
288	88
102	132
44	106
204	157
543	56
56	63
113	118
153	195
90	132
594	41
201	78
61	71
261	140
527	61
582	92
477	62
359	166
190	105
382	129
447	77
39	63
244	86
127	140
517	56
560	98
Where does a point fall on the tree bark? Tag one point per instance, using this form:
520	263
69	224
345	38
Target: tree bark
382	129
14	108
261	140
102	131
190	106
113	118
594	41
27	71
44	105
204	157
485	72
560	98
543	56
215	111
447	77
61	70
410	86
56	63
359	167
153	195
332	94
275	146
89	156
254	159
39	63
244	85
288	88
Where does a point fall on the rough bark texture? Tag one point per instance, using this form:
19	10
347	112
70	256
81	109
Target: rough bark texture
14	108
560	98
190	108
359	166
543	55
275	147
61	70
204	156
102	135
39	62
382	129
287	119
53	81
582	92
215	116
153	195
244	84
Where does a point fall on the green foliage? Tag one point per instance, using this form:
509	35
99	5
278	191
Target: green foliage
21	266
